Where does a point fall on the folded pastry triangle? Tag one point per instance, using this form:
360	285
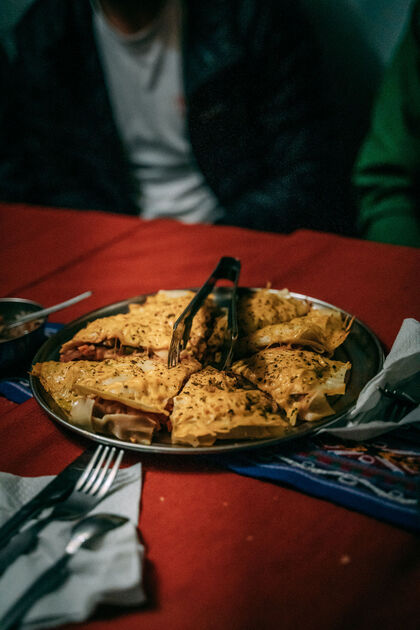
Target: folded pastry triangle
214	406
298	380
322	330
121	397
146	328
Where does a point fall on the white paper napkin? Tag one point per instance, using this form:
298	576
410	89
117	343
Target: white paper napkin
111	574
401	370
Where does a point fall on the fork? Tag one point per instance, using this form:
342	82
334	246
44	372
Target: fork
228	268
400	405
91	487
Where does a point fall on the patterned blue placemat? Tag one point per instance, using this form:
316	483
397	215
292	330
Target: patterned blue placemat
380	477
16	388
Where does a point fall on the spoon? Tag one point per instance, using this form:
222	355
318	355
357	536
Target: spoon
83	534
30	317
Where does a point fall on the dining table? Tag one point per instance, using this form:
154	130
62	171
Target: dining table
223	550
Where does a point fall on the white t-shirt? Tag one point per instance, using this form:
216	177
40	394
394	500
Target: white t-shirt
143	73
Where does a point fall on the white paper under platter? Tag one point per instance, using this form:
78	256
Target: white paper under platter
361	348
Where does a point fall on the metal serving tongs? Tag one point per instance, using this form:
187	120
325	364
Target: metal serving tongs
227	269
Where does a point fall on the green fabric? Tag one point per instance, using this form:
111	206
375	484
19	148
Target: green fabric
387	171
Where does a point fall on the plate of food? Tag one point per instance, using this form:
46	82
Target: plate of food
299	364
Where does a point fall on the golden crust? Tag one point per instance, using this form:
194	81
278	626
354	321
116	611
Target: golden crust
213	405
256	311
139	382
59	379
298	380
322	330
266	307
147	327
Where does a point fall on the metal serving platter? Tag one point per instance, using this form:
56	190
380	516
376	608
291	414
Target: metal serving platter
362	348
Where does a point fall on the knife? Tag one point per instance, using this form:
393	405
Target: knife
56	490
84	534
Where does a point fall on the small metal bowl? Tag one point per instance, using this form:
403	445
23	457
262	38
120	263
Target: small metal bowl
17	352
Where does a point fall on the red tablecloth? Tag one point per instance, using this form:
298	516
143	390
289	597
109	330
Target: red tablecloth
223	551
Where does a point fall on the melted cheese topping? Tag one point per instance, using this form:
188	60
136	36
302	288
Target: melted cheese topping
322	330
298	380
256	311
140	382
146	326
212	405
265	307
59	379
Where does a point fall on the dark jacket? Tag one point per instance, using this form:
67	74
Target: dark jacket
256	120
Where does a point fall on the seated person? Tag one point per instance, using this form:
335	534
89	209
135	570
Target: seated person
4	71
387	172
201	112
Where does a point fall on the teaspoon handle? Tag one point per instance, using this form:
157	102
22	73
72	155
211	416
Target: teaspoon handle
51	309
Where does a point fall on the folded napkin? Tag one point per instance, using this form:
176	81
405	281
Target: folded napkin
371	415
110	574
